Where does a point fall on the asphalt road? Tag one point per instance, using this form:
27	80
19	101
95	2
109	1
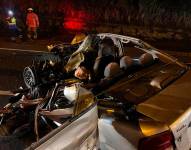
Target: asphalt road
12	63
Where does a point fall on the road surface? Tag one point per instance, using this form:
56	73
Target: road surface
12	62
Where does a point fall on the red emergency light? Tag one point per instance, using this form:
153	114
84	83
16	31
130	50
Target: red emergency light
74	25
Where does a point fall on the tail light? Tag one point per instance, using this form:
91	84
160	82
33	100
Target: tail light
163	141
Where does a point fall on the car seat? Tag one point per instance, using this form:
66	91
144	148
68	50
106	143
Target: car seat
100	64
108	47
107	53
112	71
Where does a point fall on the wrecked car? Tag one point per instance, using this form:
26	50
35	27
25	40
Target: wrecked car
49	66
148	105
32	121
142	98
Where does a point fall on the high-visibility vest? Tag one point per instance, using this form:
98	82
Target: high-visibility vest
12	23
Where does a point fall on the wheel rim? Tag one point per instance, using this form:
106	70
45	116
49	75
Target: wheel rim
29	77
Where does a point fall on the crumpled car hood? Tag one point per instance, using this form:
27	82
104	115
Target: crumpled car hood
170	103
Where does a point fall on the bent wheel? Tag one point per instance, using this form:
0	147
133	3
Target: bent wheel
29	77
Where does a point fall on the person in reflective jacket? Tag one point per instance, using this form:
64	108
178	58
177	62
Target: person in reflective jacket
32	23
12	26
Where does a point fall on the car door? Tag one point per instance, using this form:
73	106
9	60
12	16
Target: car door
78	133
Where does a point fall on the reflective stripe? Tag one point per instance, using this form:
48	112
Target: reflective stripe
12	21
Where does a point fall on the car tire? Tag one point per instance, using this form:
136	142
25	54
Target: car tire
29	77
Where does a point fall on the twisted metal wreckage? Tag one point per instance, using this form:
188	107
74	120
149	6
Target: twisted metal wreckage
59	111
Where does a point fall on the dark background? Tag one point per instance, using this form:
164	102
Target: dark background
165	24
88	15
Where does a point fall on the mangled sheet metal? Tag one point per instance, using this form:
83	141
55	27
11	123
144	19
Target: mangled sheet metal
80	134
77	57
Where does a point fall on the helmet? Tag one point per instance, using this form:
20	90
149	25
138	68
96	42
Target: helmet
30	9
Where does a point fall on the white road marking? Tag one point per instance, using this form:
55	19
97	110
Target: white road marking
23	50
6	93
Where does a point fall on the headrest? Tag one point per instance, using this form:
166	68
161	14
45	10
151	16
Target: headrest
111	70
126	62
146	59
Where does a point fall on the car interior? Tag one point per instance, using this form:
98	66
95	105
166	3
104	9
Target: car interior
132	60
